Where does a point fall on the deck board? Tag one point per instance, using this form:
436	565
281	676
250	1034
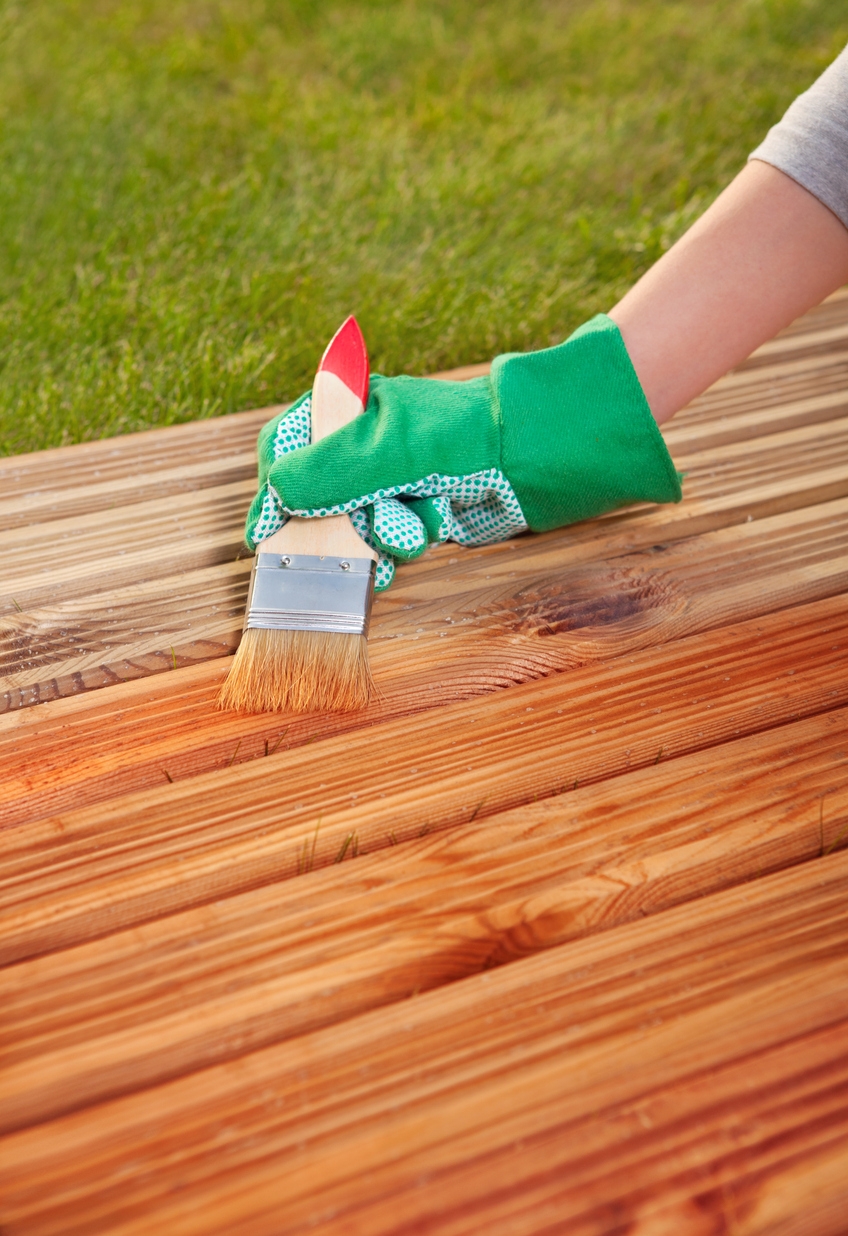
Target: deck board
75	876
552	937
79	1024
497	1085
552	617
72	618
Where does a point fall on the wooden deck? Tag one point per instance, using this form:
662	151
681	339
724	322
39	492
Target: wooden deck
567	957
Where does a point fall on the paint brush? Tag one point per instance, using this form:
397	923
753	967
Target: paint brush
304	646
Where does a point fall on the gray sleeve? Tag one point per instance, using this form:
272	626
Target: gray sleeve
810	143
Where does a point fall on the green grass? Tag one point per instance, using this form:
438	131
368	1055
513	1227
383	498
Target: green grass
194	193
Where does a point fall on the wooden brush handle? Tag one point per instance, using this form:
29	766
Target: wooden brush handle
334	403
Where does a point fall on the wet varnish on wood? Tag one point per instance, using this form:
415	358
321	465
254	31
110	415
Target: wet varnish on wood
551	938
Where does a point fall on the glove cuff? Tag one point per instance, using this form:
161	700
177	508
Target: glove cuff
577	434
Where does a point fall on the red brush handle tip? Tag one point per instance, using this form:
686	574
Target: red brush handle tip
347	358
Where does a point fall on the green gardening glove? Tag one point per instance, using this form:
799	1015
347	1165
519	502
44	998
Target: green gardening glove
548	438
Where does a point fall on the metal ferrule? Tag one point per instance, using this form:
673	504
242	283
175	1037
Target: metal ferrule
302	592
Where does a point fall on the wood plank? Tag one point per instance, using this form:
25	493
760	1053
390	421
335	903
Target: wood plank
131	455
830	310
704	432
823	339
181	992
174	535
114	494
208	466
766	390
52	649
175	925
75	480
88	872
90	638
694	1060
508	616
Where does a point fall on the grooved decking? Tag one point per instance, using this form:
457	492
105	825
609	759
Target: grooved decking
552	938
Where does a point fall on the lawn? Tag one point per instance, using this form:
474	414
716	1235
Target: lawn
194	193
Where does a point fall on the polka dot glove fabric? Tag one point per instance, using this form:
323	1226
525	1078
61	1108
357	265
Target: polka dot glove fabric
548	438
399	522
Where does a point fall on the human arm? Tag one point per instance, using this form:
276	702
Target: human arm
774	244
764	252
560	435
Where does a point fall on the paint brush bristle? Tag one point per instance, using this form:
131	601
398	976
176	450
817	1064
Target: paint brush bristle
304	646
298	671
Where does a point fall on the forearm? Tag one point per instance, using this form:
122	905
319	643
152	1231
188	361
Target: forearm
765	251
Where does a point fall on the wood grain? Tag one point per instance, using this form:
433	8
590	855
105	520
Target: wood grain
568	957
94	1021
90	871
183	578
582	1079
767	440
509	617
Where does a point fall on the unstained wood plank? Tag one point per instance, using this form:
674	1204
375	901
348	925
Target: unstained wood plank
76	618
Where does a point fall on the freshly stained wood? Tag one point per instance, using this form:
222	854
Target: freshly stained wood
90	1022
513	616
69	878
564	957
560	1080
